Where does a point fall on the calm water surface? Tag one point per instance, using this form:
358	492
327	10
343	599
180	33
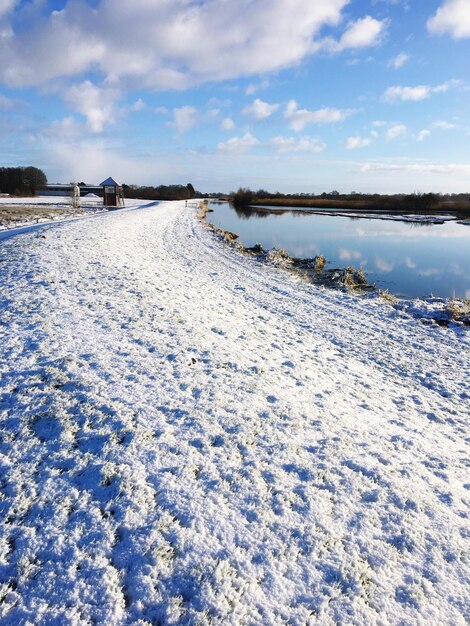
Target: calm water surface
408	259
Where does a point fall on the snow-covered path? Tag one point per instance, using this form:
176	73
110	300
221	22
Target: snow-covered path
190	437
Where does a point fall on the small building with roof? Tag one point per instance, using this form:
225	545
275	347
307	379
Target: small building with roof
112	193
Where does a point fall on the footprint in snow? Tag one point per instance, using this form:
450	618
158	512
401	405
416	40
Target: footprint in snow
371	496
217	331
432	417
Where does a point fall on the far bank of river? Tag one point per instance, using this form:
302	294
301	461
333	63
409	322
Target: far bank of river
411	259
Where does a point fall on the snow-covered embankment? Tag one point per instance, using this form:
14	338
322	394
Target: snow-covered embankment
188	436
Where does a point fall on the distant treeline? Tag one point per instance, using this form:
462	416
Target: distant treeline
21	181
399	202
162	192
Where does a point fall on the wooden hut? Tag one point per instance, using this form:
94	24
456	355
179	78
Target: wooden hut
112	193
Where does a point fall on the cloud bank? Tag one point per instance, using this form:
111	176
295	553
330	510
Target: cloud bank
171	44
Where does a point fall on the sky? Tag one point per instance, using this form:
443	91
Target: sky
308	96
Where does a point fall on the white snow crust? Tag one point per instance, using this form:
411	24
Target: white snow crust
189	436
64	201
60	207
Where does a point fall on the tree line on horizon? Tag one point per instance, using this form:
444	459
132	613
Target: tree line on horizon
29	180
245	197
21	181
162	192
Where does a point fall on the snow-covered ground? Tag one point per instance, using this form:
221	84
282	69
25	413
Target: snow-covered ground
45	209
191	437
64	201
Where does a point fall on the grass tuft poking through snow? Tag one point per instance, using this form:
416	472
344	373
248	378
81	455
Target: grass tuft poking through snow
190	436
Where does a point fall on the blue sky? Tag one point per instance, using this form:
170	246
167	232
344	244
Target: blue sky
289	95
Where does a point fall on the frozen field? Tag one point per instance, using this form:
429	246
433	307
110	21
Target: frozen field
190	437
20	212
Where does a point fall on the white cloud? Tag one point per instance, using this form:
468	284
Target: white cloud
423	134
64	129
450	84
444	125
292	144
184	118
299	118
418	168
357	142
6	6
452	18
139	105
254	87
420	92
170	45
227	124
239	144
98	105
363	33
396	131
399	61
259	110
92	159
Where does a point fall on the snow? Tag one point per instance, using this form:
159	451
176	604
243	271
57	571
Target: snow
60	208
376	215
52	201
189	436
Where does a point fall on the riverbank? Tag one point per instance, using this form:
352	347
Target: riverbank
442	311
190	436
436	217
459	209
